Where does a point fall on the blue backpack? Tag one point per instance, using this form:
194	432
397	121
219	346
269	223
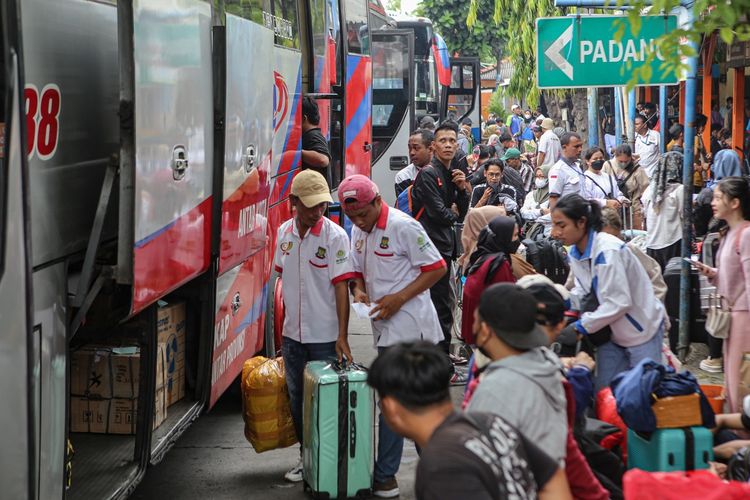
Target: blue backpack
405	203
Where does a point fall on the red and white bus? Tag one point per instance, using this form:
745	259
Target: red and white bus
149	147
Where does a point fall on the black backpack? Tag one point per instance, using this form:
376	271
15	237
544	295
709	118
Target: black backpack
548	257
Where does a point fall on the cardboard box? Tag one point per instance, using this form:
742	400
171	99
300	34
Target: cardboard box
91	411
171	331
102	372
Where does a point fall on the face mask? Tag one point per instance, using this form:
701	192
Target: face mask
513	247
597	165
540	183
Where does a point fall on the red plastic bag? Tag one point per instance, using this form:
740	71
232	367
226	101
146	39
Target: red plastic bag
641	485
606	411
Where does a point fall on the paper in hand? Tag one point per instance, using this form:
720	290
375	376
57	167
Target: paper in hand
362	310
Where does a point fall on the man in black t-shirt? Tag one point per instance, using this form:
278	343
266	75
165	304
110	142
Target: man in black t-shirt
478	456
315	153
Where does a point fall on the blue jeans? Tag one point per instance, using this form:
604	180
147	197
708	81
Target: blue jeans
296	355
612	359
390	449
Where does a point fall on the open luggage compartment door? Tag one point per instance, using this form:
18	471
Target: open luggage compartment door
166	145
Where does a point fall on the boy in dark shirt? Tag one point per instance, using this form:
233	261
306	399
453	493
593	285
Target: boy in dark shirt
477	456
315	153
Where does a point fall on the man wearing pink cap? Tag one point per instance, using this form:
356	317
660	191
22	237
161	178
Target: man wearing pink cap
395	263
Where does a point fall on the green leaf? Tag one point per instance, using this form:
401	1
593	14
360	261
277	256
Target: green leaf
726	34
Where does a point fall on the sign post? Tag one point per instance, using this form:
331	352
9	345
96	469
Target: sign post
582	51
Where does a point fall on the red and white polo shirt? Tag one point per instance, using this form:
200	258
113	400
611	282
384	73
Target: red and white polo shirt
389	258
309	269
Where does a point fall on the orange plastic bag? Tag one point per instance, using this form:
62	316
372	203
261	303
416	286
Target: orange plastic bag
641	485
265	404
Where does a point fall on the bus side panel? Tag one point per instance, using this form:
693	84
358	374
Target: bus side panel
71	99
358	114
249	135
238	324
50	338
15	295
287	121
174	124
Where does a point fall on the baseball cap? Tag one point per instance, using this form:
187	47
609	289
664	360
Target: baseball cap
514	107
548	124
555	297
510	154
311	188
357	191
535	127
511	312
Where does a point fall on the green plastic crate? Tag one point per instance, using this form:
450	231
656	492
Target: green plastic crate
338	431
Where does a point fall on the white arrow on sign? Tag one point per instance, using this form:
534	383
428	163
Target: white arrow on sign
553	52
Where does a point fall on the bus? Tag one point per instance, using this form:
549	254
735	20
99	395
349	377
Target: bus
148	151
421	80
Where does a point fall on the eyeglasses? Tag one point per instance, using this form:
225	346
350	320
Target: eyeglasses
493	175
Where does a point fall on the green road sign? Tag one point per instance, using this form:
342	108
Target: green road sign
582	51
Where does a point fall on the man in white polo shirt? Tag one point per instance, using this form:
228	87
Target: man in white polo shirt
395	264
647	145
312	257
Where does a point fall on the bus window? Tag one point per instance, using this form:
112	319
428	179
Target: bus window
248	9
283	21
425	80
390	87
326	44
335	145
356	27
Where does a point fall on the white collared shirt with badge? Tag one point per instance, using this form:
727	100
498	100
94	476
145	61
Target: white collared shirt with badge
389	258
309	269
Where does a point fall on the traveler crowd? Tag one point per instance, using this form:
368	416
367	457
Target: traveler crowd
560	255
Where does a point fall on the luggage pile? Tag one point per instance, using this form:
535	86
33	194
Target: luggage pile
668	418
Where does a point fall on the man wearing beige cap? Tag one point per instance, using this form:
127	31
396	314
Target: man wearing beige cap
312	257
549	146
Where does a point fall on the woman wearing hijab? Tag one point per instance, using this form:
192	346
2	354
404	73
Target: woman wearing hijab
663	204
476	220
490	263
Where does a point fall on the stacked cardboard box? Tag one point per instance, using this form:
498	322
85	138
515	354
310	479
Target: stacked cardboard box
171	331
104	383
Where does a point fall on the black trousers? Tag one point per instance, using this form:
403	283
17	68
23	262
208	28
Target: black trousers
444	301
663	255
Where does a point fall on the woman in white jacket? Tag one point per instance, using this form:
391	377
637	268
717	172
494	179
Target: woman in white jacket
603	265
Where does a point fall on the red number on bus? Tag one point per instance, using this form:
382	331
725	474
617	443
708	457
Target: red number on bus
31	98
42	124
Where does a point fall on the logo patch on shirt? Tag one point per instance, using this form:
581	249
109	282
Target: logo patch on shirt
422	242
321	253
341	257
358	245
286	247
384	242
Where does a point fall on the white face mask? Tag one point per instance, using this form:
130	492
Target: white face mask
540	183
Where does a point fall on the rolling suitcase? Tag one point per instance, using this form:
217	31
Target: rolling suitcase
666	450
338	432
672	302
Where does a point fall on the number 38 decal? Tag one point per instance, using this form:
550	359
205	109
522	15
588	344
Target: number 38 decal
42	125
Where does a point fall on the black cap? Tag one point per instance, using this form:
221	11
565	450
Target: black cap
511	312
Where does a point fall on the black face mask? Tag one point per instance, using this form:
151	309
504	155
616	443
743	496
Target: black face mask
597	165
513	247
628	166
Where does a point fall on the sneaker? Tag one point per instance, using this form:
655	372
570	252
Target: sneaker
386	489
712	365
295	473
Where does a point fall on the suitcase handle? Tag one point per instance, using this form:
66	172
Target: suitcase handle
352	434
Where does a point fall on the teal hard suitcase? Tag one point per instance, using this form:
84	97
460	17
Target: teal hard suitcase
667	450
338	431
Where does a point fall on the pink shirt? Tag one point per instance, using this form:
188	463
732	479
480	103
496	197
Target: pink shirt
733	262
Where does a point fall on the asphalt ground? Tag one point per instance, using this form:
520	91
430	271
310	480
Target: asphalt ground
213	460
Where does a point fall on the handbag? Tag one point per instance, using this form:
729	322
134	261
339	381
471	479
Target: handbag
622	183
719	317
591	303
